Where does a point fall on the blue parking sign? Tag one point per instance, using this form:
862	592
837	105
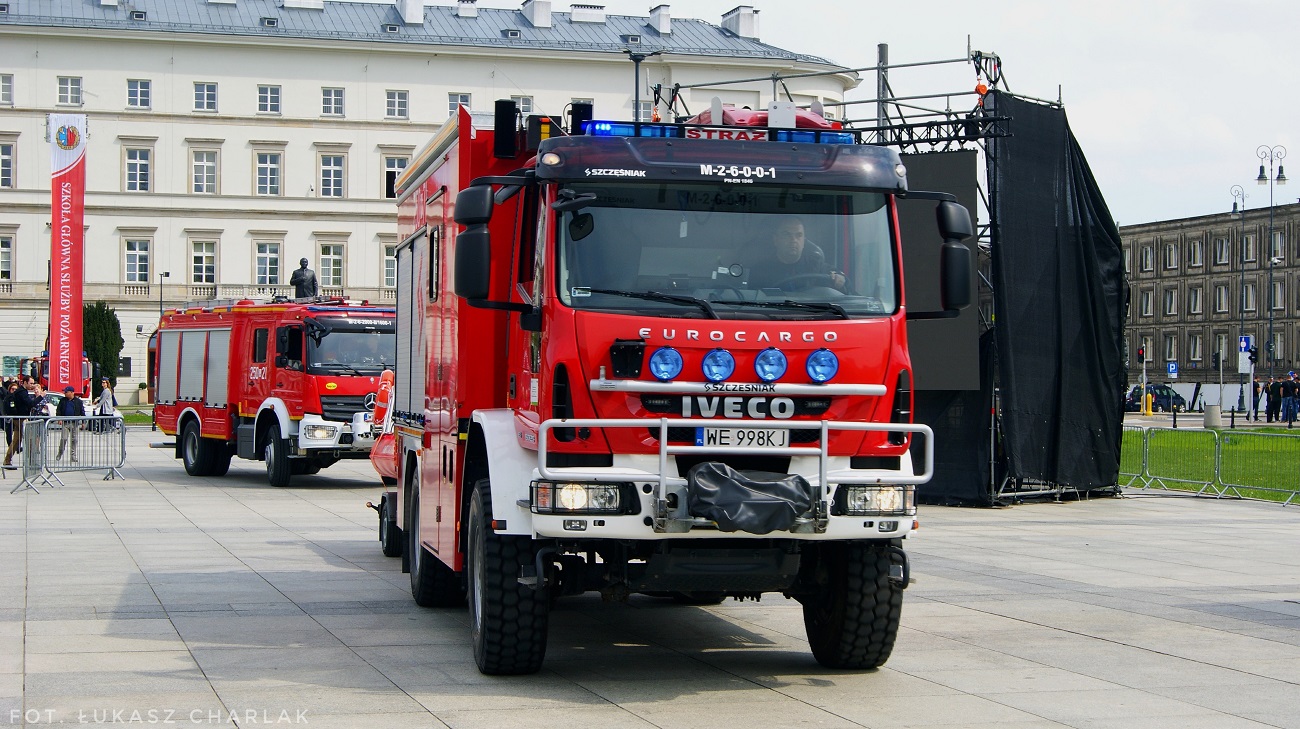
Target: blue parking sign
1173	369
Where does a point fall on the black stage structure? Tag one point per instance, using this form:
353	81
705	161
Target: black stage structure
1023	392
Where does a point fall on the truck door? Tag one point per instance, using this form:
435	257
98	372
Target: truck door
525	347
288	377
257	377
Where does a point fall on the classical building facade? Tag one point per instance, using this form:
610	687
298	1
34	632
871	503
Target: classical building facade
1196	285
227	139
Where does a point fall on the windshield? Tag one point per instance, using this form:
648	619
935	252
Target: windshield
704	251
352	352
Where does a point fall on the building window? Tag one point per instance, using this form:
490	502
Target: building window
1278	249
137	169
205	172
204	270
525	103
7	165
1147	261
1221	254
6	89
455	101
1171	256
268	99
1195	252
205	96
393	167
268	263
1194	347
1248	297
1221	298
331	264
139	93
1248	248
1171	347
331	175
645	110
1279	348
390	267
70	90
268	173
1128	260
1278	298
397	106
1194	300
1145	308
1171	302
6	258
331	101
137	261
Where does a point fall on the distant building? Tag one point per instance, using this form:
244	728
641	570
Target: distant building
230	138
1198	284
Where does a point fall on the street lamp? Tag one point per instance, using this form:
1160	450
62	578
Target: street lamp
1271	155
637	58
161	275
1239	198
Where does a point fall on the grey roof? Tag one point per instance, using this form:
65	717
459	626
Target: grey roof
356	21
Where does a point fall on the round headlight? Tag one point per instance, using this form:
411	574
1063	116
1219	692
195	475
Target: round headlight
551	159
665	364
572	496
718	365
770	364
822	365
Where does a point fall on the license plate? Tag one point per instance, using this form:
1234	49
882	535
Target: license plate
742	437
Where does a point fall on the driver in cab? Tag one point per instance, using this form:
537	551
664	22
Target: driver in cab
790	260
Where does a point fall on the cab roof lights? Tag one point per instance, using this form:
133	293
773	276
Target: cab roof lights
734	134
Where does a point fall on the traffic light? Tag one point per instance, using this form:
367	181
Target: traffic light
1142	354
1214	359
1254	355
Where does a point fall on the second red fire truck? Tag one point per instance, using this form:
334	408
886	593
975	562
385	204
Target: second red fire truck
290	383
658	358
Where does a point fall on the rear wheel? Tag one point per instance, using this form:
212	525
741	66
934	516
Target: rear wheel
853	618
276	453
221	461
196	452
508	620
390	536
433	584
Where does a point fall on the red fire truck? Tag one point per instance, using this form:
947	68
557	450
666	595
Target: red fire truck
614	375
38	368
288	382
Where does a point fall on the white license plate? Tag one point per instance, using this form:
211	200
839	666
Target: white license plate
742	437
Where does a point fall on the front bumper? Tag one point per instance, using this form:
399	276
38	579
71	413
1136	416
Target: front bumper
353	439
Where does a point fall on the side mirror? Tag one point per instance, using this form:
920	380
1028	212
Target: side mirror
473	262
281	342
281	361
474	205
956	264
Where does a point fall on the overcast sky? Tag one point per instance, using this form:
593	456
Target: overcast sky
1169	98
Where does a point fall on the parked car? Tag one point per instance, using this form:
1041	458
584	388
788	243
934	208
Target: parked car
1166	400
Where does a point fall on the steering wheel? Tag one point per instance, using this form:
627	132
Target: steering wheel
806	280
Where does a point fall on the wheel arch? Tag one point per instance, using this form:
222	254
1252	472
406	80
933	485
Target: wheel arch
183	420
510	467
271	410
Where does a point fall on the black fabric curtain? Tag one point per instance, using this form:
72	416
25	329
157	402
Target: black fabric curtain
961	421
1059	290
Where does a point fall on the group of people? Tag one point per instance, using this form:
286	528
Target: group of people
1281	397
24	398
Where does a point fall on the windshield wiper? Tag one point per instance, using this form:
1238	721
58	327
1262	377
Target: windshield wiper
822	306
337	365
704	306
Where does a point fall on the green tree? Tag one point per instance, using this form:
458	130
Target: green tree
101	334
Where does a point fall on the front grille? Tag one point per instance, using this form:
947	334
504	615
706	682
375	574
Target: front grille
672	404
342	407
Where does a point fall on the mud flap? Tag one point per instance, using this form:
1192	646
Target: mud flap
756	502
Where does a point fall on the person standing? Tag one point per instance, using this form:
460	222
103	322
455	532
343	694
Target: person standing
304	282
1272	400
106	405
17	407
72	408
1254	399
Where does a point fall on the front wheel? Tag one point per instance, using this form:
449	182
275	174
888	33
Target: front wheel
276	453
852	619
508	621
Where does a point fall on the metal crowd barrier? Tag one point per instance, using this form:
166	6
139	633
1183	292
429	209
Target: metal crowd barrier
51	446
1212	463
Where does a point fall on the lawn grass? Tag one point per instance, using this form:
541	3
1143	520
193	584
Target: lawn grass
1260	464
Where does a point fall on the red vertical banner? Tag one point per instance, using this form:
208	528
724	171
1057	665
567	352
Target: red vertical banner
67	213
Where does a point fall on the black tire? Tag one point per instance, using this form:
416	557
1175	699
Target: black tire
433	584
276	453
196	453
508	621
390	535
221	461
853	619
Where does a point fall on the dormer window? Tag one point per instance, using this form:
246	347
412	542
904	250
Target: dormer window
632	39
270	22
390	28
511	33
138	15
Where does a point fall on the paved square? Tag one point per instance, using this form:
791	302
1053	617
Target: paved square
167	600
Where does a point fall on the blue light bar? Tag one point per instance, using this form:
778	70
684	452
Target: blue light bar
808	136
629	129
674	131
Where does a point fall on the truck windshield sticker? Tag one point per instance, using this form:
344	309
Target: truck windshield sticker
606	172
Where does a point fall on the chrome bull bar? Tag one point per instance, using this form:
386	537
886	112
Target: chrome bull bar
662	480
